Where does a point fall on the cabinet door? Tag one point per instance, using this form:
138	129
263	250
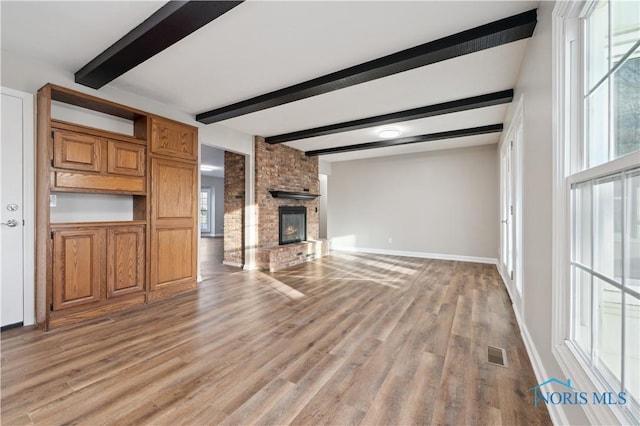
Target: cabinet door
174	192
76	151
174	197
173	257
174	139
125	158
125	260
78	272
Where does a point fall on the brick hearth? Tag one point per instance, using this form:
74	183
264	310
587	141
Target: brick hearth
279	257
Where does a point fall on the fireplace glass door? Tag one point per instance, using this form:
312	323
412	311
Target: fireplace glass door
292	224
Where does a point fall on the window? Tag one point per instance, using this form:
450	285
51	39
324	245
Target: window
605	272
205	210
603	180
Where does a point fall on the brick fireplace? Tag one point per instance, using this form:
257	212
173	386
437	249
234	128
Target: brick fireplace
281	173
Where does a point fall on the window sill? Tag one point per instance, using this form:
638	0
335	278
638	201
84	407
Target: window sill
580	373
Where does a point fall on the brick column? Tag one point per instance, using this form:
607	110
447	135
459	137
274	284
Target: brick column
234	203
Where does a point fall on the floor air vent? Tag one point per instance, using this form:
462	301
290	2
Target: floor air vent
496	356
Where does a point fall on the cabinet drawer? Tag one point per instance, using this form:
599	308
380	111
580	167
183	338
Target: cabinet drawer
125	159
102	183
174	139
77	151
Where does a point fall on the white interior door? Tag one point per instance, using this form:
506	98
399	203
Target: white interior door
11	211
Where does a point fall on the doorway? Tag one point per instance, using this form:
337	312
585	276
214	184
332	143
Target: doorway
17	209
506	208
212	201
511	209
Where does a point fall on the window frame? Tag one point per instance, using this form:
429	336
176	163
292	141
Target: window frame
568	114
209	229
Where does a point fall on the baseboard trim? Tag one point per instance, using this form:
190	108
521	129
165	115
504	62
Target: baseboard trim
10	326
237	265
557	414
423	255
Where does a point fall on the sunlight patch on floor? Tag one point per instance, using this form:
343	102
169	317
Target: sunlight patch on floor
386	283
280	287
377	263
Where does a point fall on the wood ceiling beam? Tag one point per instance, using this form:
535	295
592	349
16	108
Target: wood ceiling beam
168	25
458	105
486	36
473	131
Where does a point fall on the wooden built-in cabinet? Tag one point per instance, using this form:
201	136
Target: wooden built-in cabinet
96	262
78	266
85	162
76	151
88	269
173	139
97	267
125	158
174	208
125	260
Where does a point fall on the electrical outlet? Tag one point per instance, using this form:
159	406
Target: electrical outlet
53	199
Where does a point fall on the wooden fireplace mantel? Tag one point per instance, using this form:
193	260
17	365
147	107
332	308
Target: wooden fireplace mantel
293	195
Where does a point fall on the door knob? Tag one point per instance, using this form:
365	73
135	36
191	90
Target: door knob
12	223
504	221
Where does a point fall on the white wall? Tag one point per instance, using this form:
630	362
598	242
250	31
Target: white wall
323	205
324	167
225	138
441	203
217	185
29	75
534	85
88	207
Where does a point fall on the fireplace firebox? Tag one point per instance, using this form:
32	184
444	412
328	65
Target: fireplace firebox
292	224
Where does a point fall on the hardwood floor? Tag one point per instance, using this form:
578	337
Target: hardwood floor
347	339
211	255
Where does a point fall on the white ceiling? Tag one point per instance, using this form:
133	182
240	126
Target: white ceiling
440	123
261	46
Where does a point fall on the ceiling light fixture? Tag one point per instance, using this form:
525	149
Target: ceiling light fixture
389	133
207	168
